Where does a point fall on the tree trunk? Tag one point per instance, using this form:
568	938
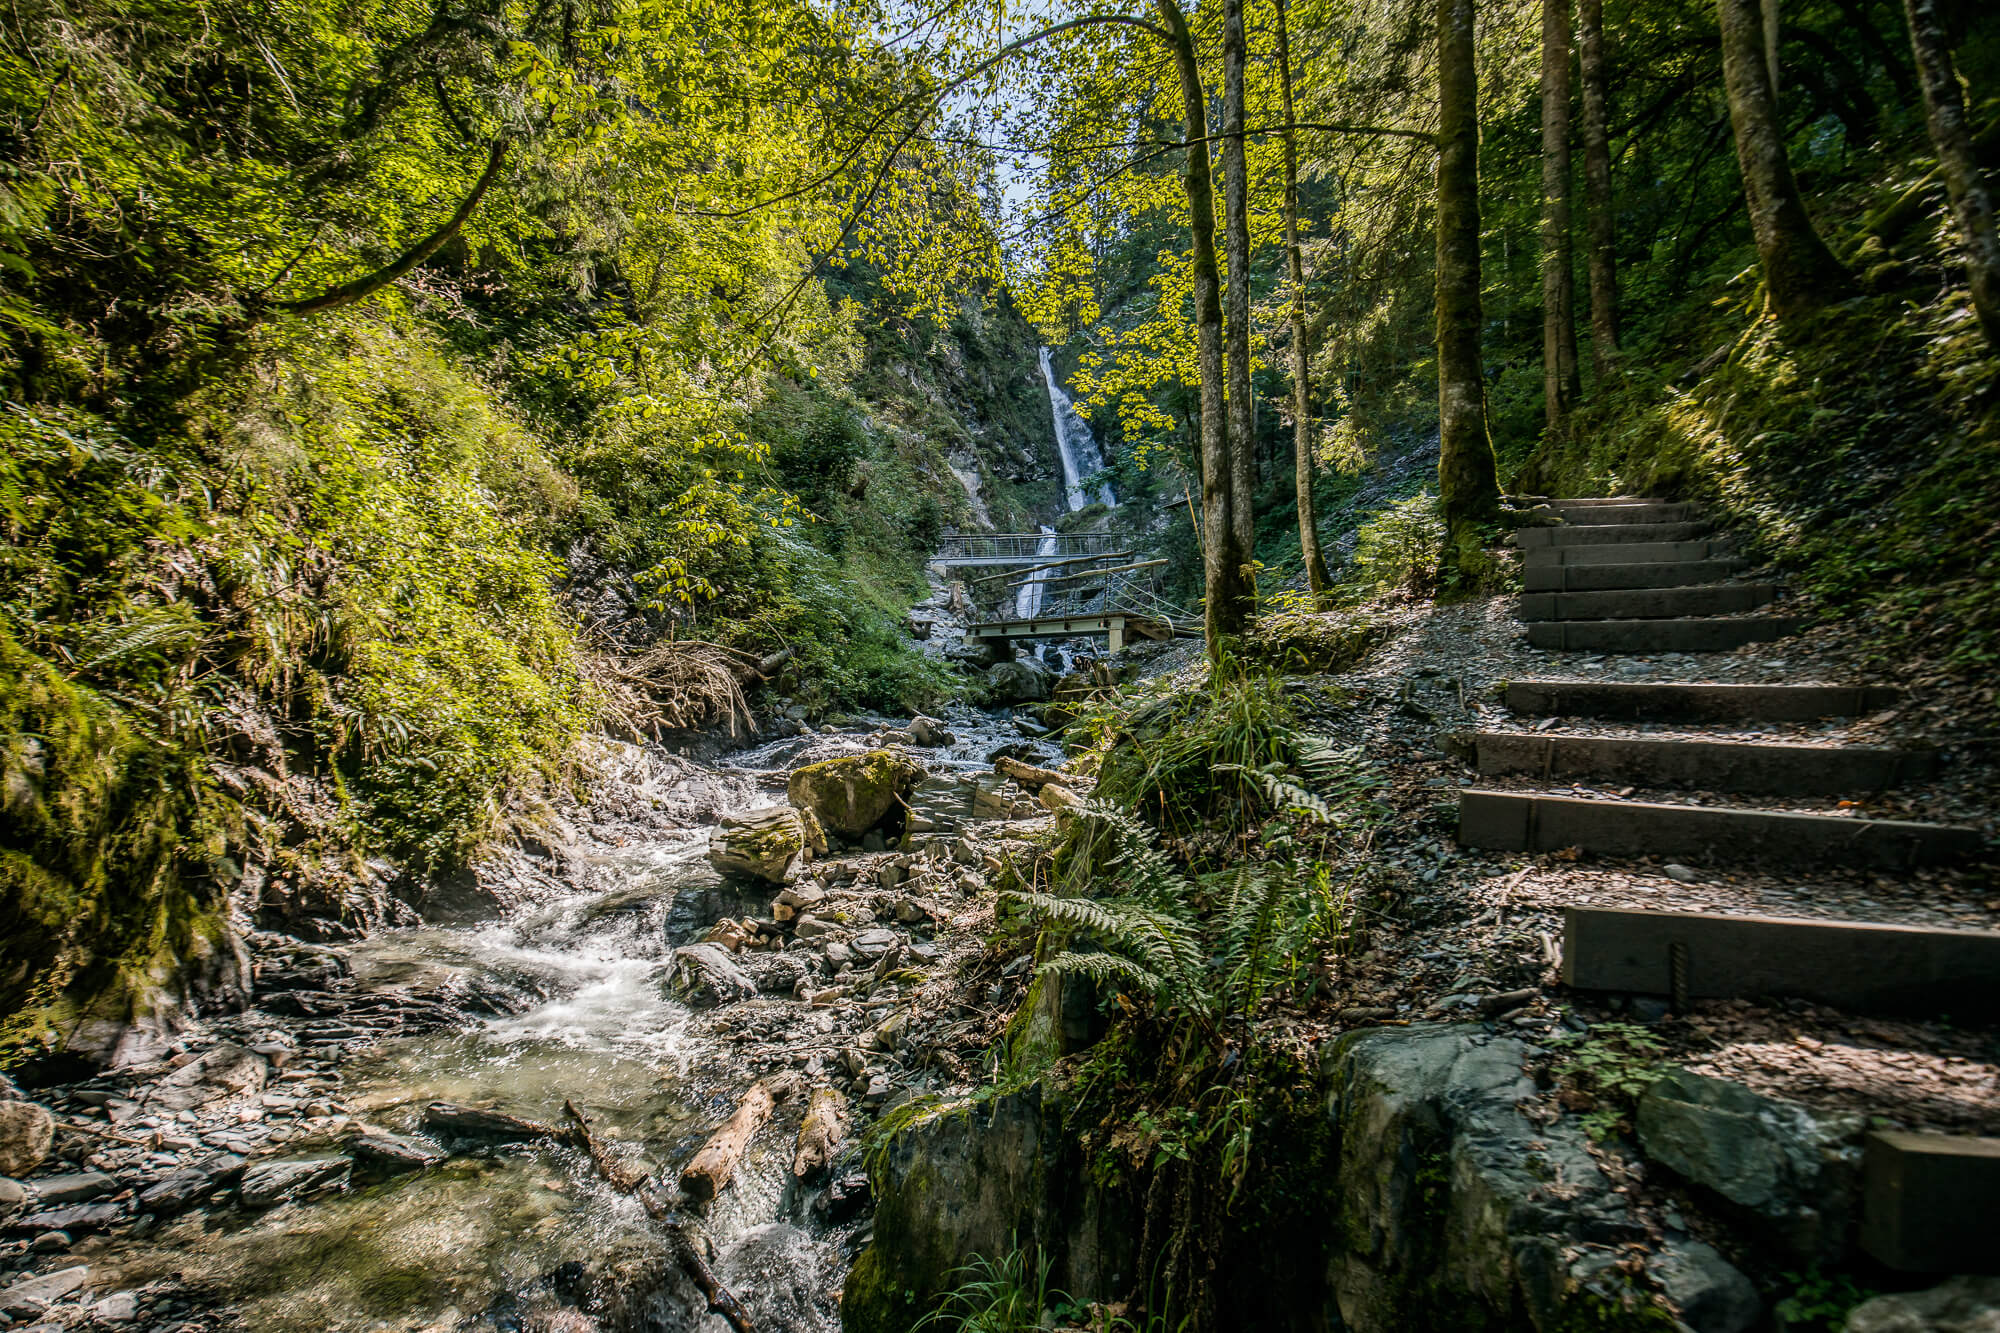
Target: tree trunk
1558	282
1800	273
1317	577
1971	200
1236	309
1223	556
1468	481
1597	189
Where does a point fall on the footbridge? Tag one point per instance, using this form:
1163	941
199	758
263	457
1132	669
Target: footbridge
1062	596
1021	548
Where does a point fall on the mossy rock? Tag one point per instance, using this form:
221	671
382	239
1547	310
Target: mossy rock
854	793
764	844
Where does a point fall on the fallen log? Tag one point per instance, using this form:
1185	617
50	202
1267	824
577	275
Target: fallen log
627	1179
710	1169
1028	774
821	1134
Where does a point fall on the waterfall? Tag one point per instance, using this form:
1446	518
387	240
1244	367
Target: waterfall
1077	445
1028	601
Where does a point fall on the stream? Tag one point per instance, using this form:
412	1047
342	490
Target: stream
497	1230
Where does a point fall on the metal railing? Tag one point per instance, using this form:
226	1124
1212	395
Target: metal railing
1025	547
1117	594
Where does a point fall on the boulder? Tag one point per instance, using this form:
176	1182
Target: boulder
705	976
270	1183
225	1071
1453	1199
1021	681
929	732
855	793
764	844
27	1132
1796	1172
1710	1293
13	1197
1962	1305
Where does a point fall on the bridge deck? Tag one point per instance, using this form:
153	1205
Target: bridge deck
1019	548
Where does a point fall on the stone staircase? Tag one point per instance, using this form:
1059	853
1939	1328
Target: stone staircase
1628	575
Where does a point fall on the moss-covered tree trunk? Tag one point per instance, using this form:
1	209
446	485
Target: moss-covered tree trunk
1223	556
1468	481
1317	577
1236	312
1559	373
1971	200
1800	273
1597	188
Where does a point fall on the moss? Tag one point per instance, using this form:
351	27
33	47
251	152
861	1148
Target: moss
1310	642
854	793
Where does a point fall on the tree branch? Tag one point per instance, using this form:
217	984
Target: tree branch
350	292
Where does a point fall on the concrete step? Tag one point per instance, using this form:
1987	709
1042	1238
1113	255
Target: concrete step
1638	554
1658	636
1608	534
1927	1201
1598	578
1733	766
1711	599
1642	511
1663	702
1520	822
1861	967
1599	500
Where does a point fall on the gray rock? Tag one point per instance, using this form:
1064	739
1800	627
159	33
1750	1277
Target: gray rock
1436	1157
27	1132
929	732
874	943
765	843
30	1297
225	1071
1711	1295
705	976
268	1183
82	1187
76	1219
811	927
52	1242
394	1154
1023	680
1794	1171
1961	1305
13	1196
178	1191
120	1307
471	1122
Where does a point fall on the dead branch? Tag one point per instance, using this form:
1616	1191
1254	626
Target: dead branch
626	1180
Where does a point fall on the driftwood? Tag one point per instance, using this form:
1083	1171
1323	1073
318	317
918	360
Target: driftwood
627	1179
710	1170
821	1134
1027	774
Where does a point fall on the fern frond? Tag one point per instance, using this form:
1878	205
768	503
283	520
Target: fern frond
1101	968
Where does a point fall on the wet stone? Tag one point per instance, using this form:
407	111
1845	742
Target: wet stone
394	1154
29	1298
269	1183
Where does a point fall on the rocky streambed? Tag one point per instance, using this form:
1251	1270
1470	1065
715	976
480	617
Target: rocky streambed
381	1141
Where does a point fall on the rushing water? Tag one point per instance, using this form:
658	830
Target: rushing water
1028	601
1078	447
428	1250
